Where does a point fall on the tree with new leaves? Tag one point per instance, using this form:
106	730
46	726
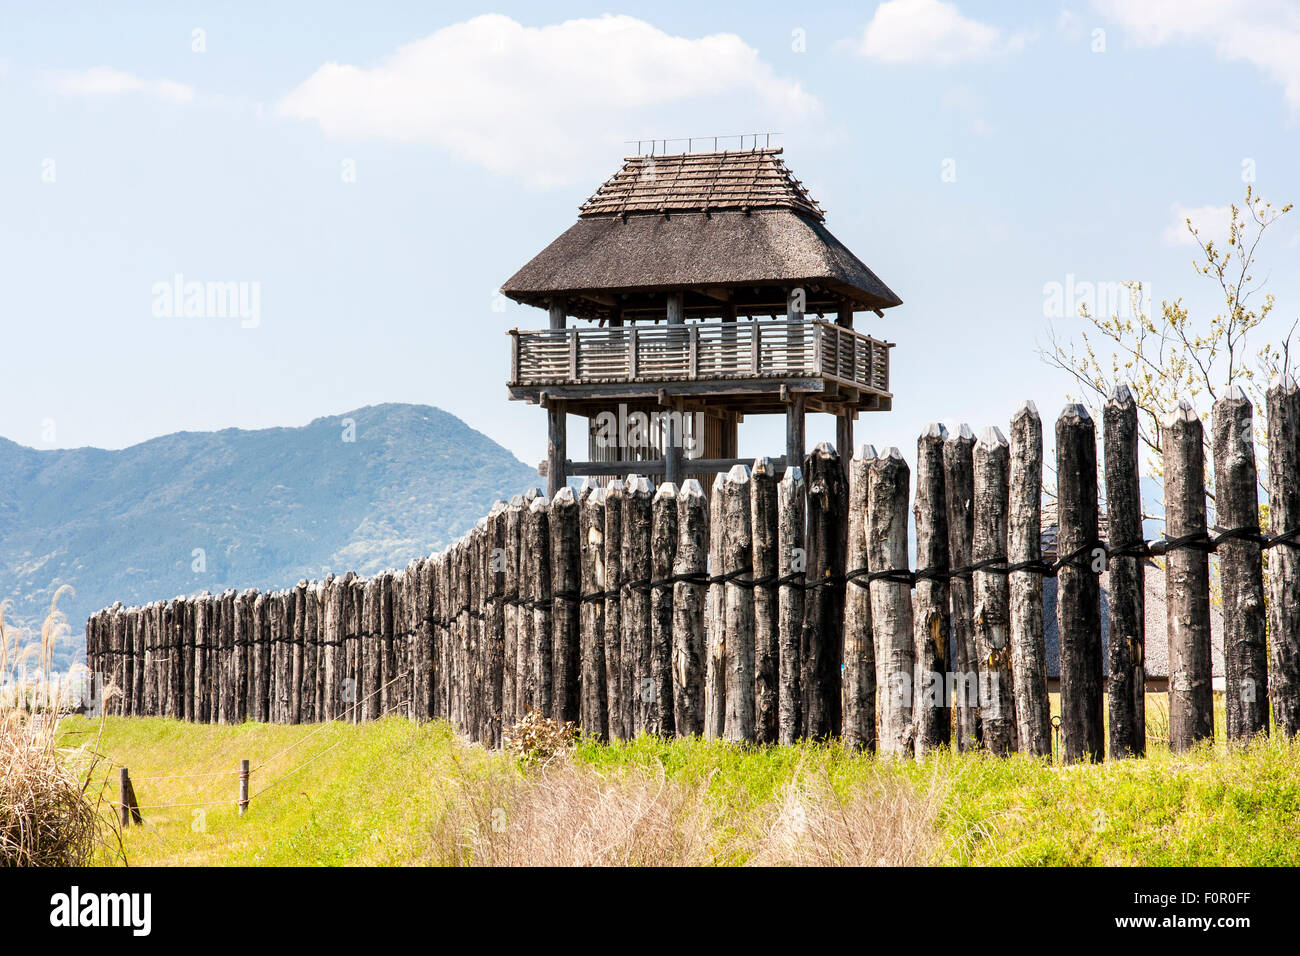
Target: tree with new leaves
1177	355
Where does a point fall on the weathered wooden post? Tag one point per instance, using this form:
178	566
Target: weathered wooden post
330	651
614	608
274	651
139	662
959	496
239	663
1187	580
1241	572
496	624
859	724
931	706
537	561
591	539
637	517
387	655
824	604
511	677
1078	601
442	635
428	676
350	630
481	558
176	690
663	552
261	651
691	559
992	611
149	661
124	804
243	787
1126	647
311	654
1284	560
738	565
187	657
791	566
1024	545
297	656
226	657
715	674
367	691
763	524
888	493
566	582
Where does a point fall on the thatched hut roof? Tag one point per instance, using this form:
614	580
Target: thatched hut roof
732	230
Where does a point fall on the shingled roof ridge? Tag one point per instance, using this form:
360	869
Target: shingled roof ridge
701	182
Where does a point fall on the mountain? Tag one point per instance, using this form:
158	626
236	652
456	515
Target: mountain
192	511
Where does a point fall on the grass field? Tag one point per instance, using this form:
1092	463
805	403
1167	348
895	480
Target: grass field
396	792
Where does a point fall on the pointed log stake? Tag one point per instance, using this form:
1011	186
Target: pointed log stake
591	536
992	606
931	706
663	552
614	607
737	559
959	495
537	560
496	624
1078	604
638	503
565	583
1284	561
1241	574
763	524
1024	543
859	723
1187	581
823	622
792	561
688	610
511	687
891	601
1126	644
715	675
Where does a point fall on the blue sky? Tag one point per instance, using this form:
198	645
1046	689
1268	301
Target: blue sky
136	149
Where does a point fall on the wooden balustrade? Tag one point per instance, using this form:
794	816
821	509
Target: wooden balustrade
700	352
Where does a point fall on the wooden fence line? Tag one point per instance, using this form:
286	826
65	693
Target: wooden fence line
774	610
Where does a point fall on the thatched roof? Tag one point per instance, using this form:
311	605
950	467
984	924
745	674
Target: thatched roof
732	230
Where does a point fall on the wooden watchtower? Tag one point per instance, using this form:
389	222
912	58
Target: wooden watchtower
701	285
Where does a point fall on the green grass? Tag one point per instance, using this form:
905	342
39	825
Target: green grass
382	793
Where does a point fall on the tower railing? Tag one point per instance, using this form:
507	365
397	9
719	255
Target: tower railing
704	351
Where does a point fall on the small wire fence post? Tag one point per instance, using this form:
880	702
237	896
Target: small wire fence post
243	787
124	784
129	805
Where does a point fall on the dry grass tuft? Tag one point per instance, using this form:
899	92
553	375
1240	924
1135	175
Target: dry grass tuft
46	815
563	813
882	822
567	815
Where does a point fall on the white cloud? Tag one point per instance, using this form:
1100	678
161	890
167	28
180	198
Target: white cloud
1264	33
1210	221
105	81
930	31
538	101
